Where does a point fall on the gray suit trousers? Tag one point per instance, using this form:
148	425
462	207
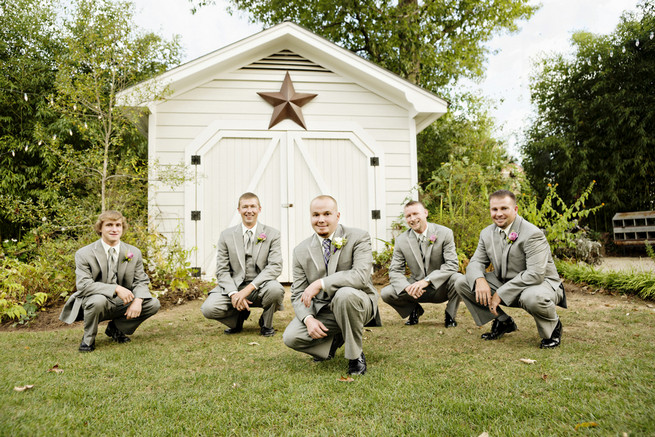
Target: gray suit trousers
538	301
218	306
403	303
348	312
98	308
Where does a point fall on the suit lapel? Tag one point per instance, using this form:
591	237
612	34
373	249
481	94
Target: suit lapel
316	254
122	264
101	257
336	253
239	246
428	251
416	251
508	246
258	229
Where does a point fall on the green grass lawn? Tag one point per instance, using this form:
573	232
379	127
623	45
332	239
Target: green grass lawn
182	376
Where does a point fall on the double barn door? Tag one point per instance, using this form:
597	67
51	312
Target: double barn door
286	169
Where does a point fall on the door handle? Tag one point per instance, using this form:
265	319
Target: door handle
287	205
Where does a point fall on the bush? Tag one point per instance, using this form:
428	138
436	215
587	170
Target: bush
560	223
640	284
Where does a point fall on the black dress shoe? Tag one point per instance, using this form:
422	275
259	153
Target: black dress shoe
115	333
337	342
86	348
416	313
357	366
449	321
555	338
243	316
498	329
263	330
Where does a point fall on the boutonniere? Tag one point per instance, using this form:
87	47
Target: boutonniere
432	238
261	238
128	257
512	237
338	243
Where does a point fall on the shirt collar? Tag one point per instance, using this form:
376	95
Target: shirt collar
244	229
422	234
106	247
321	239
506	229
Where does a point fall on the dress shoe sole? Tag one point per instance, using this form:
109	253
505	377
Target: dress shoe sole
270	333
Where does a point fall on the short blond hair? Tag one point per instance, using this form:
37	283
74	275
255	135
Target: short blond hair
324	197
107	216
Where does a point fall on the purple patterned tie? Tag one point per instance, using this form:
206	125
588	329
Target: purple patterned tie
326	252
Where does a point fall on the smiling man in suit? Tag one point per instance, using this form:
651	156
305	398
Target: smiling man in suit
428	250
248	262
524	274
332	293
111	285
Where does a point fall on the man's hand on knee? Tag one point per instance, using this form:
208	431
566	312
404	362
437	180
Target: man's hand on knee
124	294
315	328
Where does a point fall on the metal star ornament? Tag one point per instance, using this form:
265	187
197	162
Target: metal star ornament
286	103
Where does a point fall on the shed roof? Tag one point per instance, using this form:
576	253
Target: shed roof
423	106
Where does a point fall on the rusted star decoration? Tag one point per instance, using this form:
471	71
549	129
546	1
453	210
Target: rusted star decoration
286	103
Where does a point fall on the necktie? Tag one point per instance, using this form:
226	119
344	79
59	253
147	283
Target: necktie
326	251
421	241
248	242
111	266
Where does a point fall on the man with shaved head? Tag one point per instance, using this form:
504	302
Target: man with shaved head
332	292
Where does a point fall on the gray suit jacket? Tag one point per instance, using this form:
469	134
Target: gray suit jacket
440	259
91	277
231	258
521	264
349	266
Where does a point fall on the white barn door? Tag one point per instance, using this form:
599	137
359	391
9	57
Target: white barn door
286	170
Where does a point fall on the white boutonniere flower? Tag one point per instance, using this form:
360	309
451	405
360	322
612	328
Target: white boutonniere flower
338	243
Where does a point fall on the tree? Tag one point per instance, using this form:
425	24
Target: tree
430	43
595	118
104	55
28	47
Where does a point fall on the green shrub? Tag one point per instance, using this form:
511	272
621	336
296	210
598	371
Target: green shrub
640	284
560	223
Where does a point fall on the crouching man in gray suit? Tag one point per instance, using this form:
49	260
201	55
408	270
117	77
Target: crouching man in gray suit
428	250
332	292
248	262
524	274
111	285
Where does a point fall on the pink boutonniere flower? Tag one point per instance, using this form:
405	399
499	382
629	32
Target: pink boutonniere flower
128	257
512	237
432	238
261	238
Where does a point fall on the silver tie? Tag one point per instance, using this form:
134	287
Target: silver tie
248	242
111	266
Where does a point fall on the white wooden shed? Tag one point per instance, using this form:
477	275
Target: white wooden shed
359	144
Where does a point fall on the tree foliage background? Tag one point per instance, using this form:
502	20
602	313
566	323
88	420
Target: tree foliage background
595	118
67	149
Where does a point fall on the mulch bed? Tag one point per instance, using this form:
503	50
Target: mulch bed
49	319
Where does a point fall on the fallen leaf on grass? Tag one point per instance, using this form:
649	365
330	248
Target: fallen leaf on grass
56	369
440	332
469	331
23	387
180	301
253	343
527	360
484	434
650	306
224	360
544	377
627	314
368	329
235	385
586	425
346	379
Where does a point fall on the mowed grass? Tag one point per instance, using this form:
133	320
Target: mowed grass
182	376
